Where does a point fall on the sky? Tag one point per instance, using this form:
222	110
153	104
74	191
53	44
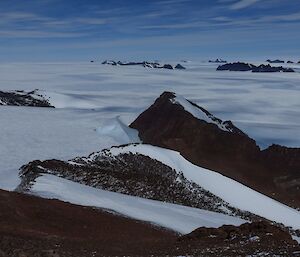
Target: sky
80	30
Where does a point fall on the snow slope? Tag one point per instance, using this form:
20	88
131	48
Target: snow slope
183	219
234	193
116	129
91	95
199	114
28	134
252	101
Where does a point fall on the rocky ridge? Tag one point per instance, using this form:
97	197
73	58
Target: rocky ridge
22	98
275	61
217	61
131	174
152	65
240	66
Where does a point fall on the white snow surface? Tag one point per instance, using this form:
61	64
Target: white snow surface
296	238
90	95
236	194
198	113
179	218
114	128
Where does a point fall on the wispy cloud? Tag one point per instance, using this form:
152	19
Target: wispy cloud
32	25
145	24
171	2
241	4
31	34
286	17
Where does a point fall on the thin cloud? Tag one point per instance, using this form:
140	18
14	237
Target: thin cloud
243	4
170	2
37	34
286	17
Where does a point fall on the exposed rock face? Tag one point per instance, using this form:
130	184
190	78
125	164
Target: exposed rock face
109	62
286	162
22	98
261	238
132	174
174	124
290	62
239	66
168	66
275	61
217	61
145	64
269	68
179	67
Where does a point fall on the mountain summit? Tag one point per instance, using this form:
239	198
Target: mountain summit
179	124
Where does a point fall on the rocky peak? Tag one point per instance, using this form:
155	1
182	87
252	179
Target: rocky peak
171	103
181	125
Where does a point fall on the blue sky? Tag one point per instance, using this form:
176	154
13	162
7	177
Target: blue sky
58	30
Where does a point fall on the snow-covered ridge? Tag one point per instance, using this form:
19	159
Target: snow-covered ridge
183	219
132	174
201	113
236	194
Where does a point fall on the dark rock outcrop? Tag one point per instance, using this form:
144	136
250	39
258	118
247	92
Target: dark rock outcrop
269	68
240	66
22	98
179	67
261	237
290	62
109	62
168	66
217	61
274	61
237	66
145	64
228	151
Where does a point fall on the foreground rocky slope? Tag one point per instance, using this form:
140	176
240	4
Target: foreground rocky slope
22	98
175	123
35	227
249	239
